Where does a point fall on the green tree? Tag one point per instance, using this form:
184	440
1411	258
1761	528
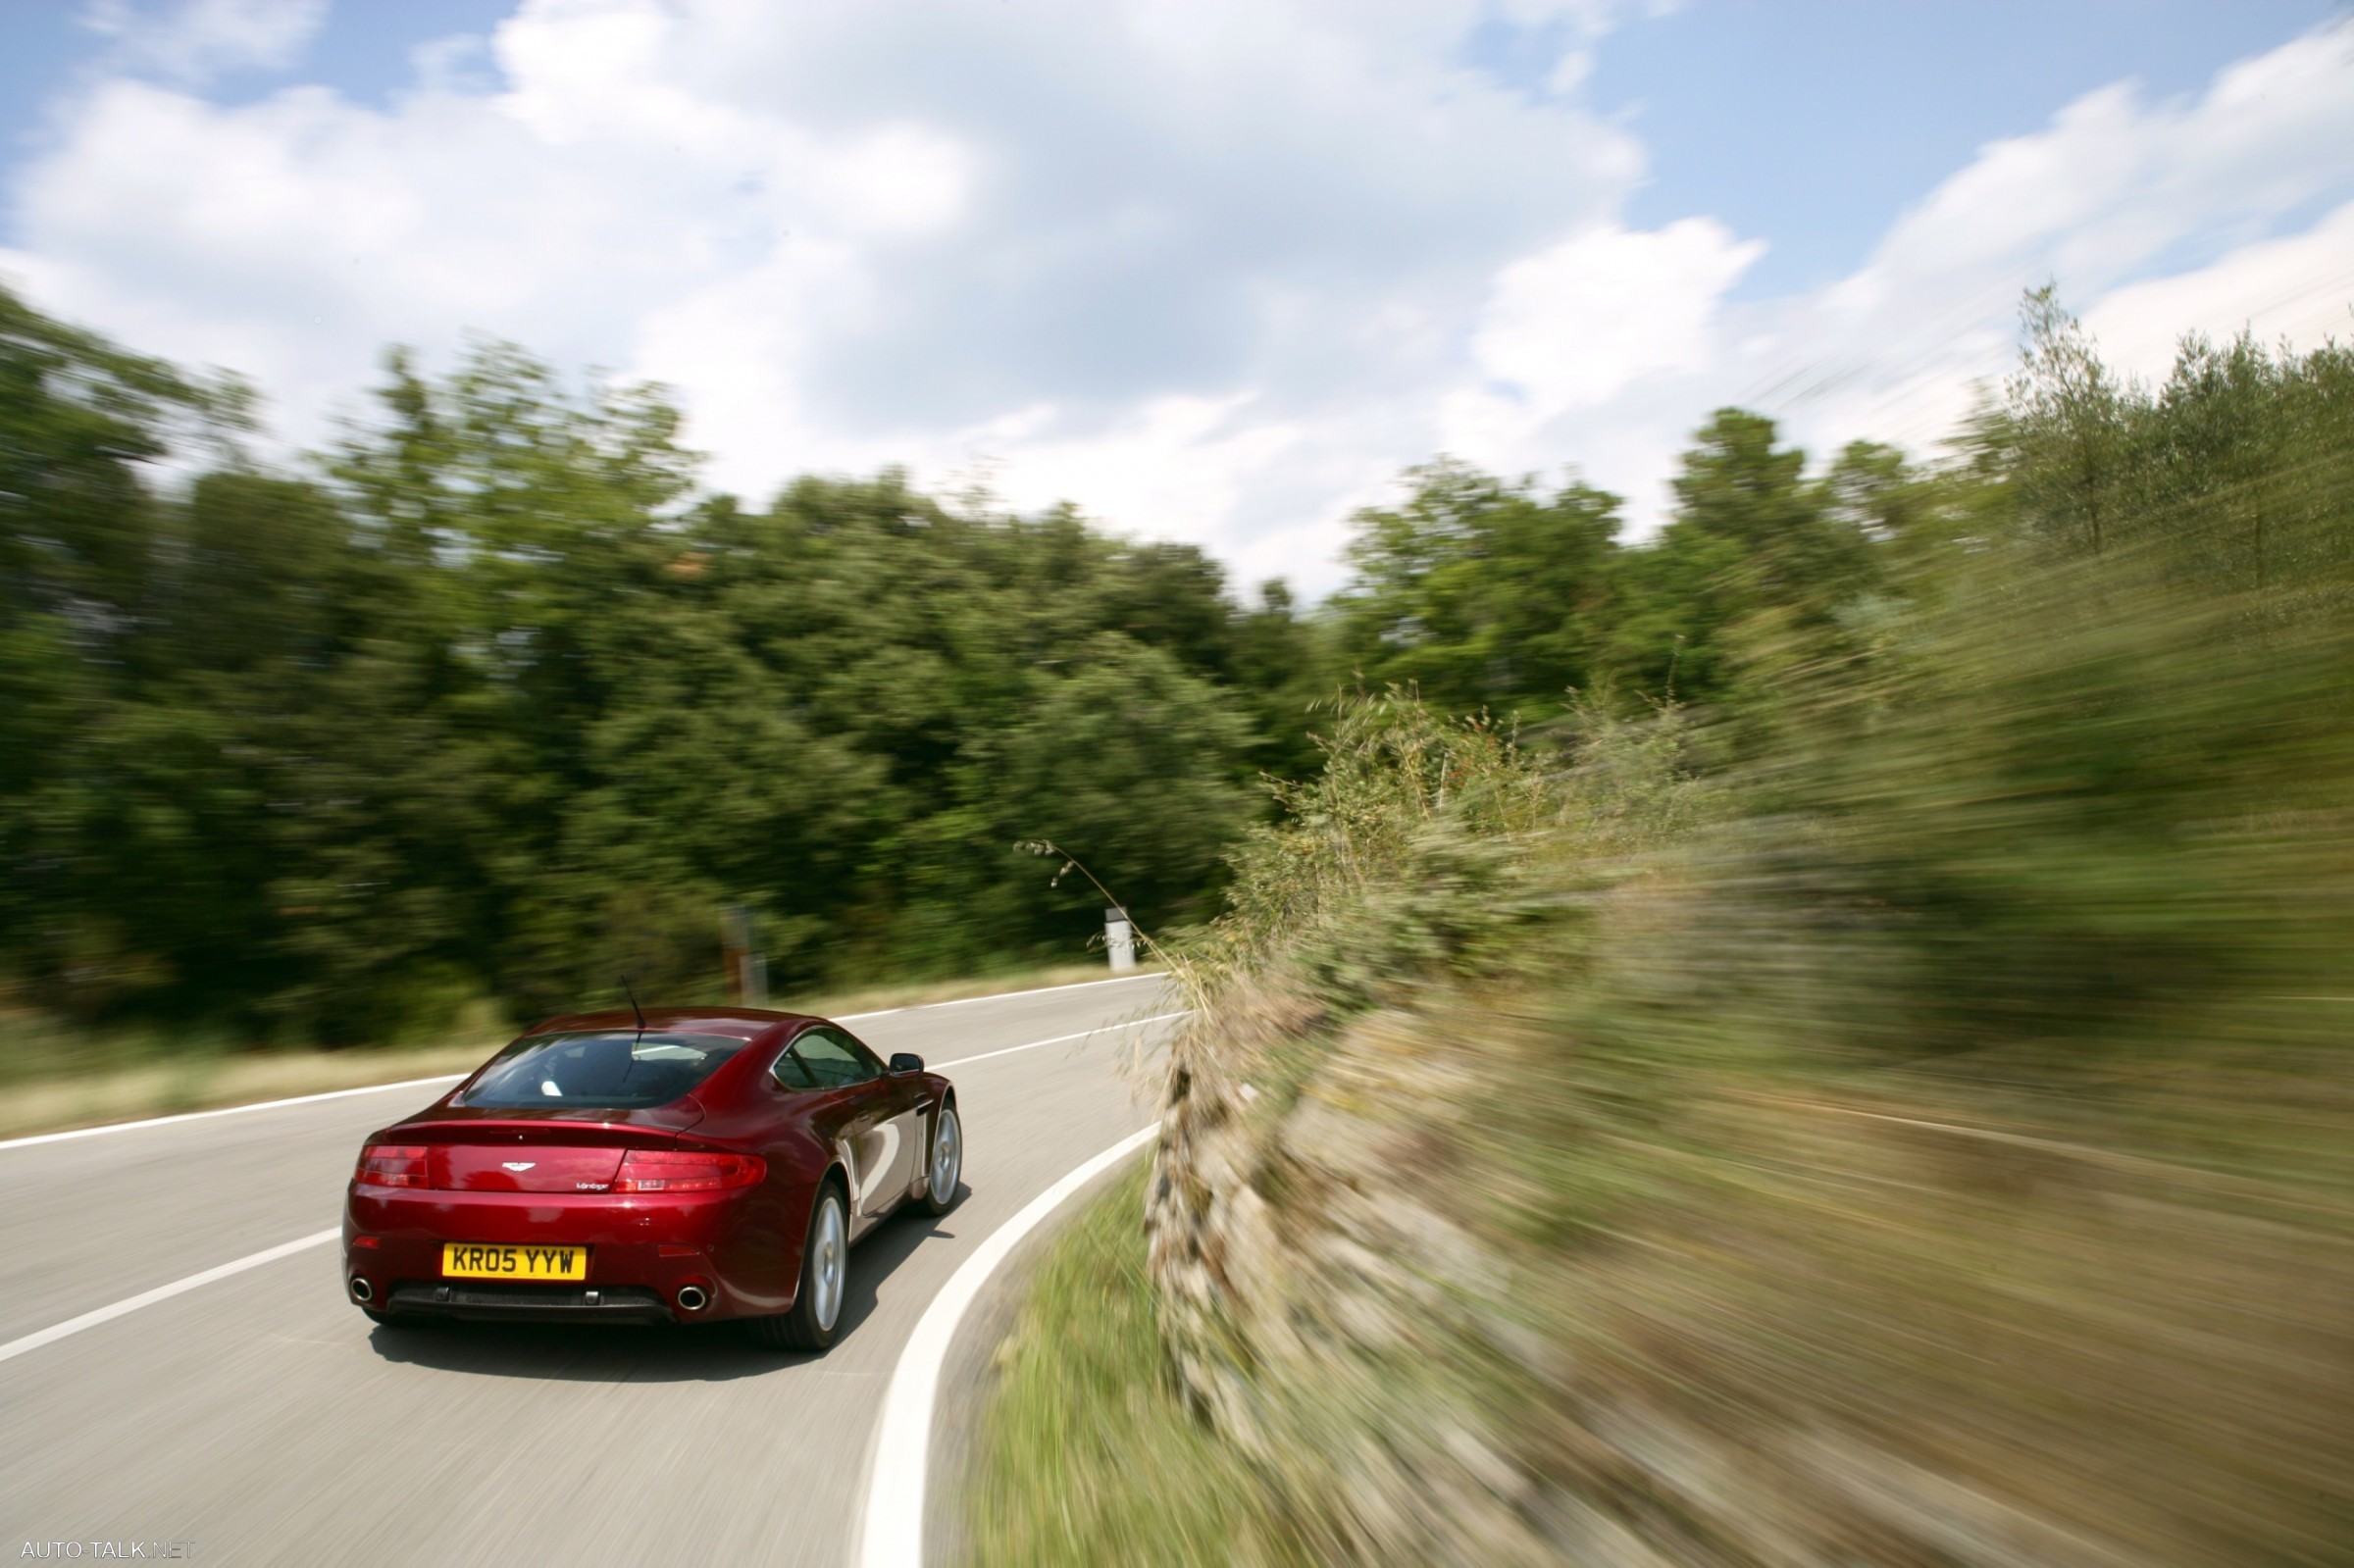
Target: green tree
1283	665
1130	764
114	795
1756	565
1480	592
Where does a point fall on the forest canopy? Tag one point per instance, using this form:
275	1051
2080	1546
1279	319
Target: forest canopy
496	700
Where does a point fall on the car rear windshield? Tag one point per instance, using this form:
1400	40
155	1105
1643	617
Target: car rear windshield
607	1069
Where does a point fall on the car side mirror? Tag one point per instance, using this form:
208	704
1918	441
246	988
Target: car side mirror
907	1062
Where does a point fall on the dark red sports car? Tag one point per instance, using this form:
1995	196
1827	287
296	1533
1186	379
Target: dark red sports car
675	1166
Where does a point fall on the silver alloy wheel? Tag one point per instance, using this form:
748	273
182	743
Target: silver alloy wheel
824	1279
947	1154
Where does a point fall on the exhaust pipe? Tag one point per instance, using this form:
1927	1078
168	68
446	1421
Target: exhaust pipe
361	1290
693	1298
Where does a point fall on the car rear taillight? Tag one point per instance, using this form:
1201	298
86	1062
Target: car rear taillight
663	1170
391	1165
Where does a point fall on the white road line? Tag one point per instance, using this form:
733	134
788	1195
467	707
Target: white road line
163	1292
1107	1029
451	1078
891	1535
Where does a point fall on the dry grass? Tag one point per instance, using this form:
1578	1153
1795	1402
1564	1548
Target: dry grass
209	1081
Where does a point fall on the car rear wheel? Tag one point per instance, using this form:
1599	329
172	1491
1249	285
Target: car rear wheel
948	1162
815	1321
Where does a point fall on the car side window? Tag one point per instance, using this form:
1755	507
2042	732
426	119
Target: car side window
791	1073
874	1063
833	1059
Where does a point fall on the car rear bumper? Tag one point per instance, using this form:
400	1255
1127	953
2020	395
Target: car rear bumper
740	1249
487	1301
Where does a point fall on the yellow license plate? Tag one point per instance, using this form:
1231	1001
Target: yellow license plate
476	1260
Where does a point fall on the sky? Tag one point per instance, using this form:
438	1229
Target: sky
1213	269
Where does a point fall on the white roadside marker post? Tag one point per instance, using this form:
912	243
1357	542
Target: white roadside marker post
746	965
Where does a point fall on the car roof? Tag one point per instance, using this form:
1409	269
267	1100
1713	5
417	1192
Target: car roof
746	1022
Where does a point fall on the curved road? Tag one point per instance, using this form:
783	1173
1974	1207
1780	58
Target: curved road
261	1417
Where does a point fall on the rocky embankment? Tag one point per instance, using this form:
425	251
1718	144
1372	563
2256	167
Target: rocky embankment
1820	1334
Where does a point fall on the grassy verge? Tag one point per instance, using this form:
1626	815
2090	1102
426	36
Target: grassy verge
56	1079
1086	1453
922	993
207	1079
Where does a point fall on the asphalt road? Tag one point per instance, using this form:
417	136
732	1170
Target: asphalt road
263	1419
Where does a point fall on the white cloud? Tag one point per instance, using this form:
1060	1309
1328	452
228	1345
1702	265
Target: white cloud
1211	268
2115	181
193	39
2298	290
2111	200
1184	237
1576	325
